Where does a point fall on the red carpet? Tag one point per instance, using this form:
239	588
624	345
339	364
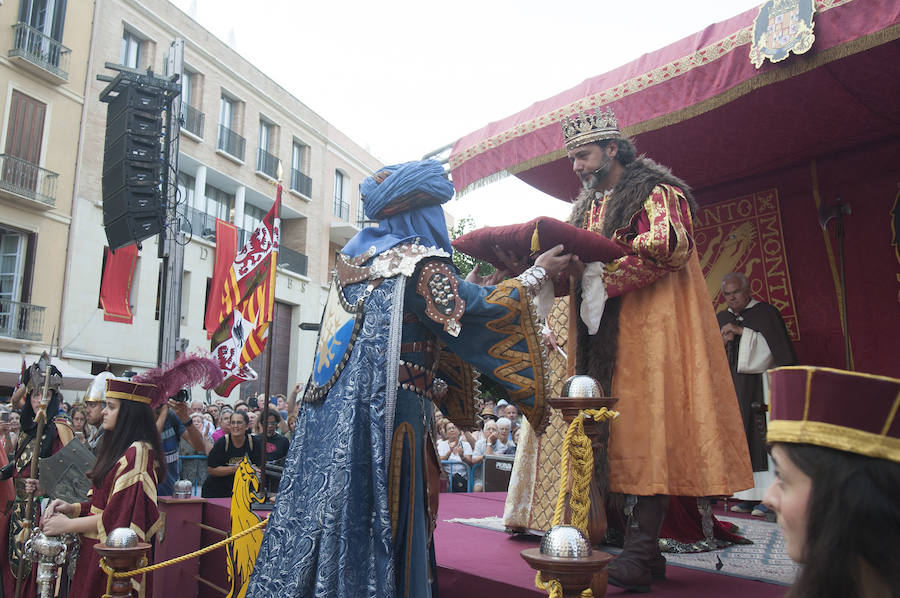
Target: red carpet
474	562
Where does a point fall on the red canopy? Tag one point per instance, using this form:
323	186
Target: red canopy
700	107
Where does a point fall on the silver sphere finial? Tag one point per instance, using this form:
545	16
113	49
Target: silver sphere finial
581	387
565	541
122	537
183	489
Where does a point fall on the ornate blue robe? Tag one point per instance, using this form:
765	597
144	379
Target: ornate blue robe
353	516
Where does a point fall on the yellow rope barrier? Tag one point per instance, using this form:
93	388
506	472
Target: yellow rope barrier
112	573
578	446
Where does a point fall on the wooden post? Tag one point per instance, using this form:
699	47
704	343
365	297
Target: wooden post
122	559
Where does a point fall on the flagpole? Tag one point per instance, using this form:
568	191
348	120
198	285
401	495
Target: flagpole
270	345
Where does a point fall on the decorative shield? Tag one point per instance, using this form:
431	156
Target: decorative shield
63	473
340	326
782	27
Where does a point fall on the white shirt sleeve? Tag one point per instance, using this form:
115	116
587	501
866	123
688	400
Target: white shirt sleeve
754	355
593	296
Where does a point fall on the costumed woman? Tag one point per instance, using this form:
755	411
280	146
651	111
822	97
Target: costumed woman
357	502
57	433
837	480
123	493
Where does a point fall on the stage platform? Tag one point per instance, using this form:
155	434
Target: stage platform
476	562
472	561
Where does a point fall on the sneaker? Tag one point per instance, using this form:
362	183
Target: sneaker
742	507
760	510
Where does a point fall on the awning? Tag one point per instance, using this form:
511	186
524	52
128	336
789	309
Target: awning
700	106
11	368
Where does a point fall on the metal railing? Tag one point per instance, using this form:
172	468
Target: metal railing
28	180
41	50
301	183
292	260
199	224
266	163
193	120
21	320
341	208
231	143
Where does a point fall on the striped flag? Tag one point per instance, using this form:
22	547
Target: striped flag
248	303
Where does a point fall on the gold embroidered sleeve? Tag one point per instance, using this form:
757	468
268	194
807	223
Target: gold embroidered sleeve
660	240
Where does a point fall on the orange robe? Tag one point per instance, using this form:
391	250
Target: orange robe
680	430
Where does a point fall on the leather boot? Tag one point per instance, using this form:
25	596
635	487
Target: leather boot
634	568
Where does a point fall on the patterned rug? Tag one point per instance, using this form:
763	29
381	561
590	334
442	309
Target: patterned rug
764	560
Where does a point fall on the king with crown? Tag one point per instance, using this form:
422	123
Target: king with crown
648	333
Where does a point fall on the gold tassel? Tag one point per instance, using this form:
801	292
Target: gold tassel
535	242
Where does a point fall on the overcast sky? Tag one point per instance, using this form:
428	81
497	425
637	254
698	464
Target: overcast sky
405	77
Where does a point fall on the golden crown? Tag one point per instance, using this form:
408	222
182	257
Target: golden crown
584	128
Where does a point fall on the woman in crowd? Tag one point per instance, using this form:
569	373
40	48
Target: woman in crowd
456	450
224	425
837	483
225	456
123	494
76	414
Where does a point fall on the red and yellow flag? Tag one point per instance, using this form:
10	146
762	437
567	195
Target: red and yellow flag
248	302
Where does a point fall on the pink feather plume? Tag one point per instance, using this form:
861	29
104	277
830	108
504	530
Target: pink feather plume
188	370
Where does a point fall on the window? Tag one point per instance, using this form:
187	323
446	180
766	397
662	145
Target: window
226	112
24	138
44	16
341	205
300	182
252	217
229	141
131	50
191	99
12	266
187	85
219	204
266	161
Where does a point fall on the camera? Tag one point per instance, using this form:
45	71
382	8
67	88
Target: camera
4	416
182	396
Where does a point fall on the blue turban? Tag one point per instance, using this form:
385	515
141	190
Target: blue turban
424	223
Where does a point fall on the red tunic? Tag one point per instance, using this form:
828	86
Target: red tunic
127	498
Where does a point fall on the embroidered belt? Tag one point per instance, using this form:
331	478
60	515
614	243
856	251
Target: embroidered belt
423	382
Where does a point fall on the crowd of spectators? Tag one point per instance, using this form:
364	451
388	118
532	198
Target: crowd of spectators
462	453
189	431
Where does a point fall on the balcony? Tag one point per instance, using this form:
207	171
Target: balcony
21	320
24	180
40	53
292	260
192	120
231	143
301	183
198	224
267	164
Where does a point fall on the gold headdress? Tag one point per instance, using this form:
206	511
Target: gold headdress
585	128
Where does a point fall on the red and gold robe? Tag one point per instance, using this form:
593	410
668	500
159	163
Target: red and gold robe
680	431
127	498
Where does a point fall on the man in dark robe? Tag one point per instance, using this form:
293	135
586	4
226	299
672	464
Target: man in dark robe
756	339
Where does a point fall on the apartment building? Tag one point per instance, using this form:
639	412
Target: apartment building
238	124
44	55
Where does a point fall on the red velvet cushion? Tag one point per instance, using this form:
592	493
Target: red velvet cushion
517	238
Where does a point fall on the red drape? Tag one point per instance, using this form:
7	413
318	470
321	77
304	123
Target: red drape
226	249
116	286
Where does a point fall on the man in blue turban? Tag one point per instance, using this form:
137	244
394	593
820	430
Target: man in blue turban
400	334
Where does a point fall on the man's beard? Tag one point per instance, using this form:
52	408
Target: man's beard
594	179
